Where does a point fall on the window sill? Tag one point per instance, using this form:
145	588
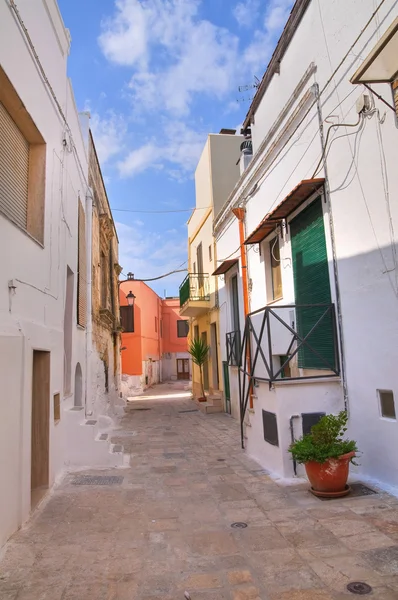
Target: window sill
29	235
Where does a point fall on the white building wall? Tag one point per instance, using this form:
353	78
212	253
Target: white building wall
31	316
363	183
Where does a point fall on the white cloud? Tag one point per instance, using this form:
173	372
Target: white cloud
124	36
108	133
175	57
276	15
246	12
179	151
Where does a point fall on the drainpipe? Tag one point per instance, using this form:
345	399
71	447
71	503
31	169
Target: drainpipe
89	327
240	215
160	358
334	254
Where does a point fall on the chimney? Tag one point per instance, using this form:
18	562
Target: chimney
246	151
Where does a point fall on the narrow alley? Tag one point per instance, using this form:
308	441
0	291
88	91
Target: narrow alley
173	522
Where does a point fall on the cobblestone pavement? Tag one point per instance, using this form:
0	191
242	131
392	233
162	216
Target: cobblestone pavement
165	528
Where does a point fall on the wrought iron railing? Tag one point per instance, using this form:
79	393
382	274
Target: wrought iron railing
196	287
294	342
233	348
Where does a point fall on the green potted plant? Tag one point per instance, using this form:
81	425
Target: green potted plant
326	455
200	353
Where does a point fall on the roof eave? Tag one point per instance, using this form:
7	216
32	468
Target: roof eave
289	30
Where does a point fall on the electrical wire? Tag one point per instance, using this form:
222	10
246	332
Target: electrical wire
163	276
177	270
179	210
331	127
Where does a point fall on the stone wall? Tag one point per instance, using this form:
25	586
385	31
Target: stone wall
105	363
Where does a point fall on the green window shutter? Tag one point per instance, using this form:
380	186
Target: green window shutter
312	286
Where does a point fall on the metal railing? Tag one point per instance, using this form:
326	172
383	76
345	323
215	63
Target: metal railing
294	341
196	287
233	348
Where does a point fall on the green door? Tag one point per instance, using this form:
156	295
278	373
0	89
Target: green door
227	392
312	286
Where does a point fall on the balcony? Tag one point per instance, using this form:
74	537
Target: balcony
294	342
195	295
233	348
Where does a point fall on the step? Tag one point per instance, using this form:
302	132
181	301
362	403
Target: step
209	408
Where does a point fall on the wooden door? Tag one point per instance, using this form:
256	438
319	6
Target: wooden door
182	368
40	445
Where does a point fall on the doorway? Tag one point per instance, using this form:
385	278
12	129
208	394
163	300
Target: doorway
182	368
214	356
205	364
227	392
40	446
312	287
68	321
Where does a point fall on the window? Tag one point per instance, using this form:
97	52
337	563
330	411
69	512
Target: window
196	332
156	324
22	164
57	408
127	318
276	272
387	404
81	276
210	257
182	328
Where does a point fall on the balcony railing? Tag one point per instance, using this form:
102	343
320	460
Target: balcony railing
233	348
294	342
195	287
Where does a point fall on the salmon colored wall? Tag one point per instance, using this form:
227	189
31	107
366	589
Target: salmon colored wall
145	342
171	314
131	357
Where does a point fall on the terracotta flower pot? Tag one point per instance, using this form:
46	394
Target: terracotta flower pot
329	478
202	399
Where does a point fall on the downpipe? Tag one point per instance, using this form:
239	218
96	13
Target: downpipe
334	254
89	326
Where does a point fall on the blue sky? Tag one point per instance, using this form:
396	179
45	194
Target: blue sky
157	77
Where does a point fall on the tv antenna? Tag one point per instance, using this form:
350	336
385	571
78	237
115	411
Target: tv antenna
250	86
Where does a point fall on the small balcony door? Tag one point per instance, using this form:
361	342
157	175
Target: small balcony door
182	368
235	303
199	262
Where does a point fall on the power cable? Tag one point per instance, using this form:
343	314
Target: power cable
335	125
179	210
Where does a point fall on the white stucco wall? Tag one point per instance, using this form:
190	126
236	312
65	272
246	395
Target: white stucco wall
363	185
31	317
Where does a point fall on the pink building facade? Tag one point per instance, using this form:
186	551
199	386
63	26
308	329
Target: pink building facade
154	338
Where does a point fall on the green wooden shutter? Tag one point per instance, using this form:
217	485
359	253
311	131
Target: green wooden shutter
312	286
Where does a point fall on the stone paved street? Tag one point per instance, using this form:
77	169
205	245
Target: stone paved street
166	527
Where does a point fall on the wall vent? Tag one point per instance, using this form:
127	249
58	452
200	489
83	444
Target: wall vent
270	427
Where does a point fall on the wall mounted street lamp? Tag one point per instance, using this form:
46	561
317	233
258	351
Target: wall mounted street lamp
130	298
